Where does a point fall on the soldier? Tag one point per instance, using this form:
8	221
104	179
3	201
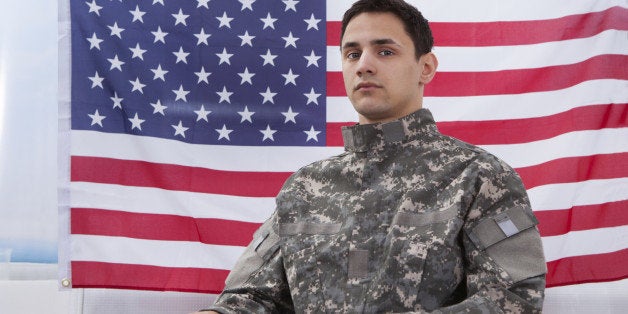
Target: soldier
406	219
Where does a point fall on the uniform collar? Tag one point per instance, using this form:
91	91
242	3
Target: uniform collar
364	137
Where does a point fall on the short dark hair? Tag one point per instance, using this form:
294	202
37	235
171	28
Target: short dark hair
415	24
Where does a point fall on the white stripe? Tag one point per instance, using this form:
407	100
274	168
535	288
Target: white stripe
580	143
588	242
229	158
567	195
153	252
483	59
157	201
489	10
499	107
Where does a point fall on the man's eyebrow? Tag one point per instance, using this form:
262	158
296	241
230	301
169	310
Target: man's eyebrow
374	42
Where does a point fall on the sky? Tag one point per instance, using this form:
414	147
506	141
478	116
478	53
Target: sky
28	129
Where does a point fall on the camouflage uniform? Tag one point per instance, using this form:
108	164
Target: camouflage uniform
406	220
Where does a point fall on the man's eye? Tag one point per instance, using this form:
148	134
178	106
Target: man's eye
386	53
353	55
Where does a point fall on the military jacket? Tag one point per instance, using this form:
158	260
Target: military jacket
405	220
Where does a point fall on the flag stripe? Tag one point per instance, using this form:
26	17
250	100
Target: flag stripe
127	276
566	195
512	81
587	268
474	34
585	242
577	218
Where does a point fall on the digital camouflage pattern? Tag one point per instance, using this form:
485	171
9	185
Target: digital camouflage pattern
406	220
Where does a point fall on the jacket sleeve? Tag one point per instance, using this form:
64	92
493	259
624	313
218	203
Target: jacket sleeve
257	283
506	268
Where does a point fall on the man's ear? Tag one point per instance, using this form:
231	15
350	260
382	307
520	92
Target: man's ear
429	65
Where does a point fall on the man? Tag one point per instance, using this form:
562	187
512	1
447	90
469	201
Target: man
407	219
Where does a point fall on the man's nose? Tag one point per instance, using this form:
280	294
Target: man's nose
366	64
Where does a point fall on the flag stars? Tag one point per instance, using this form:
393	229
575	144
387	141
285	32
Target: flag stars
180	18
136	122
268	96
181	55
290	78
247	4
290	115
115	63
312	134
290	5
94	42
96	80
179	129
202	3
137	14
312	22
117	101
202	75
290	40
202	114
115	30
138	52
96	118
268	133
269	21
158	108
137	86
202	37
246	39
224	95
312	59
224	20
224	57
93	7
159	73
246	115
224	133
312	97
268	58
159	1
181	93
246	76
159	35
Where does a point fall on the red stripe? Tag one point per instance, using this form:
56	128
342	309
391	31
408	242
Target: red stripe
175	177
578	218
512	81
481	34
144	277
588	268
575	169
161	227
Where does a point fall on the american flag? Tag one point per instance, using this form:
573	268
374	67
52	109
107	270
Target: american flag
187	116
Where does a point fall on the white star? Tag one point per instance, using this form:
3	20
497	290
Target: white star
290	40
96	80
202	3
290	115
224	95
94	42
290	4
137	85
312	97
158	107
181	93
312	22
224	57
158	1
312	134
202	114
246	39
224	20
136	122
159	73
202	37
247	4
246	76
268	133
137	14
268	96
181	55
202	75
117	102
115	63
93	7
223	133
179	129
269	21
159	35
115	30
312	59
96	118
180	18
268	58
138	52
246	115
290	78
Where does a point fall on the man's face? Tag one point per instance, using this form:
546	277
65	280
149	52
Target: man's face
381	73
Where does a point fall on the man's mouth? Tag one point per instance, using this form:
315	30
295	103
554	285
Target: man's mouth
366	86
